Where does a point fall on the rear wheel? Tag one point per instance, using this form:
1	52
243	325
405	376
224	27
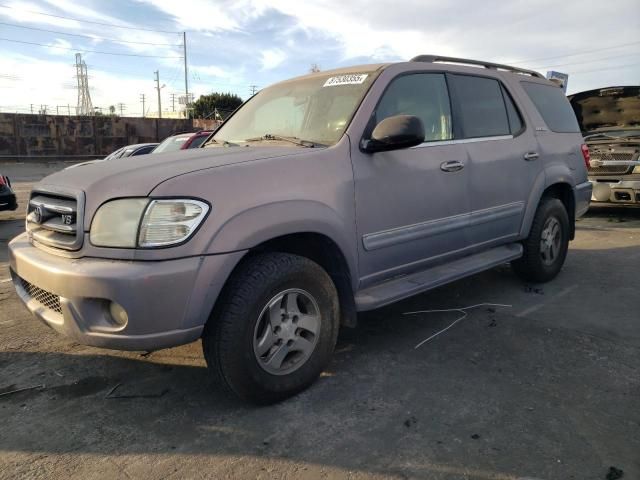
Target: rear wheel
275	328
546	247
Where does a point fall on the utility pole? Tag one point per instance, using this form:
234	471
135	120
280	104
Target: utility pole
122	107
68	109
186	75
254	89
32	109
157	73
173	102
142	98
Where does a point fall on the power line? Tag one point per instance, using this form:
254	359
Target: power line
88	21
584	52
595	60
91	37
85	51
615	67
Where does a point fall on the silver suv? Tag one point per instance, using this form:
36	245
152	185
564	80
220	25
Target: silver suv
322	196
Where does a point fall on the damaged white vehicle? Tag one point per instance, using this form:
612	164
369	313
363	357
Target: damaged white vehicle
610	122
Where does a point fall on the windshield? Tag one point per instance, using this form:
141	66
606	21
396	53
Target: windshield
171	144
314	109
115	154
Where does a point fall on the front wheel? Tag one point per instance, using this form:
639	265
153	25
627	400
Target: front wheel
275	328
545	249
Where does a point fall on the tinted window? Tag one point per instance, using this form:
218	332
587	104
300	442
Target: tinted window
482	109
515	121
423	95
553	106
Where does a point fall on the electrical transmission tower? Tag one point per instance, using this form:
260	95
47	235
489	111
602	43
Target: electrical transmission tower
122	107
254	89
84	97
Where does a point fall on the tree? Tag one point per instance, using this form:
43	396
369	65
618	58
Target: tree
222	104
112	110
315	68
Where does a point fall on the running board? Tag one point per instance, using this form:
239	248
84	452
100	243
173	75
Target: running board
399	288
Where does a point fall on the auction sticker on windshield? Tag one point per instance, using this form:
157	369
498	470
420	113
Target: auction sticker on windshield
355	79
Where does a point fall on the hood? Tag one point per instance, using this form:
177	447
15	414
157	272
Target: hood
124	177
610	108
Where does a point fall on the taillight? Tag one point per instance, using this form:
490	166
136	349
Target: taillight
2	182
586	155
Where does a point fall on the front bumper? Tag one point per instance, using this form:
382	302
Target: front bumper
167	302
616	191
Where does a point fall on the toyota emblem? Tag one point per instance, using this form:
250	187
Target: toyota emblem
38	214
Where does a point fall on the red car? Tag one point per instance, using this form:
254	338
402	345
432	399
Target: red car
182	141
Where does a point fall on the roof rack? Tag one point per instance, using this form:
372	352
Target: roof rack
490	65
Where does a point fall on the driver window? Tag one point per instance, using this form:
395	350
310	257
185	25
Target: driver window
424	95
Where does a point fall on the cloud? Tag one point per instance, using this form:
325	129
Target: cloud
211	70
23	12
59	47
272	58
196	14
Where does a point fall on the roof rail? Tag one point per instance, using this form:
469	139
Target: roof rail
490	65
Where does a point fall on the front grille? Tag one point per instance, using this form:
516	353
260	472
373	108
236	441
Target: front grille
55	220
44	298
611	169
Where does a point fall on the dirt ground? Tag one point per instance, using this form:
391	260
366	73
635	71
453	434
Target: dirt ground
548	388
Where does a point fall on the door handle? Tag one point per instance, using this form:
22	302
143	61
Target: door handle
531	156
452	166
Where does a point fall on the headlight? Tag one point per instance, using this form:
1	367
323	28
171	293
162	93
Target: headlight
140	222
167	222
116	223
636	169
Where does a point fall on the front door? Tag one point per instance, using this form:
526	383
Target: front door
412	205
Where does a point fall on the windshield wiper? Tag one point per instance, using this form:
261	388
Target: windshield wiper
295	140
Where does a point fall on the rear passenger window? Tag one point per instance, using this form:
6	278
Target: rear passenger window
553	106
482	107
424	95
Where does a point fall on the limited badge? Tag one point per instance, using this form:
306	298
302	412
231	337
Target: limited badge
353	79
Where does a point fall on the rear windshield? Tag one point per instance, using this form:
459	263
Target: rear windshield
554	107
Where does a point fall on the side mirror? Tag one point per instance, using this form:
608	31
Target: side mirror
394	133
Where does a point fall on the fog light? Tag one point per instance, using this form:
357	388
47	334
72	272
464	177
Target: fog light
118	314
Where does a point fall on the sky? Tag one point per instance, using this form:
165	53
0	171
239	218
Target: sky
234	44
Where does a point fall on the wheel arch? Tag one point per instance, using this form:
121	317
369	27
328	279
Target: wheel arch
322	250
562	189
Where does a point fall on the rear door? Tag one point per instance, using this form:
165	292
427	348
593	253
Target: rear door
410	209
503	156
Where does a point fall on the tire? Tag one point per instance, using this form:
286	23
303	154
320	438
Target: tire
538	264
261	298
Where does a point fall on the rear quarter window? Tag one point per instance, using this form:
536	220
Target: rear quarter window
554	107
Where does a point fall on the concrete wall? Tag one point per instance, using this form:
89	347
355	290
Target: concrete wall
58	136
